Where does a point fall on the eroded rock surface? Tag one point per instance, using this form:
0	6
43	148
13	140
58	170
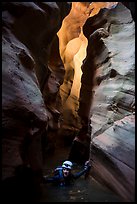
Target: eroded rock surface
113	100
31	78
113	156
28	31
107	91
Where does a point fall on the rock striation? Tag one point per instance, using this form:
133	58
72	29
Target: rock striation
29	30
113	158
114	103
95	67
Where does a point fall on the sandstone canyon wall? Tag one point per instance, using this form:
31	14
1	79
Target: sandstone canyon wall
96	78
28	31
112	104
103	92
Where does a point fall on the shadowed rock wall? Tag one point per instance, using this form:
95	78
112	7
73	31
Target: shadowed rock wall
31	78
113	100
113	152
114	93
27	34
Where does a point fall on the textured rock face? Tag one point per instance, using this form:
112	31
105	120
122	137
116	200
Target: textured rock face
31	78
113	155
23	107
113	100
72	41
73	51
26	50
97	66
114	93
107	90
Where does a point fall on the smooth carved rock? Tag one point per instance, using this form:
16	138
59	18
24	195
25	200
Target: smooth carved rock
28	31
22	105
72	48
118	89
114	98
113	152
26	60
89	67
131	7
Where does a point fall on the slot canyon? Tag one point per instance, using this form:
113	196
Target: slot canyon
68	84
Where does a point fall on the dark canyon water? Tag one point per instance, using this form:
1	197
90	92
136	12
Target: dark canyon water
83	190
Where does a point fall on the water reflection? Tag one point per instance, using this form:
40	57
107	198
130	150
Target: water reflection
81	191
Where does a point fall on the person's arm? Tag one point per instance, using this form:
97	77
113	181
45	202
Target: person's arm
85	170
52	179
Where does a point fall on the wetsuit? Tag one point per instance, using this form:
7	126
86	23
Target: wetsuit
60	180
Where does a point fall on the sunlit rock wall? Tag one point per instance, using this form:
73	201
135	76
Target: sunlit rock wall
103	91
73	45
72	51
